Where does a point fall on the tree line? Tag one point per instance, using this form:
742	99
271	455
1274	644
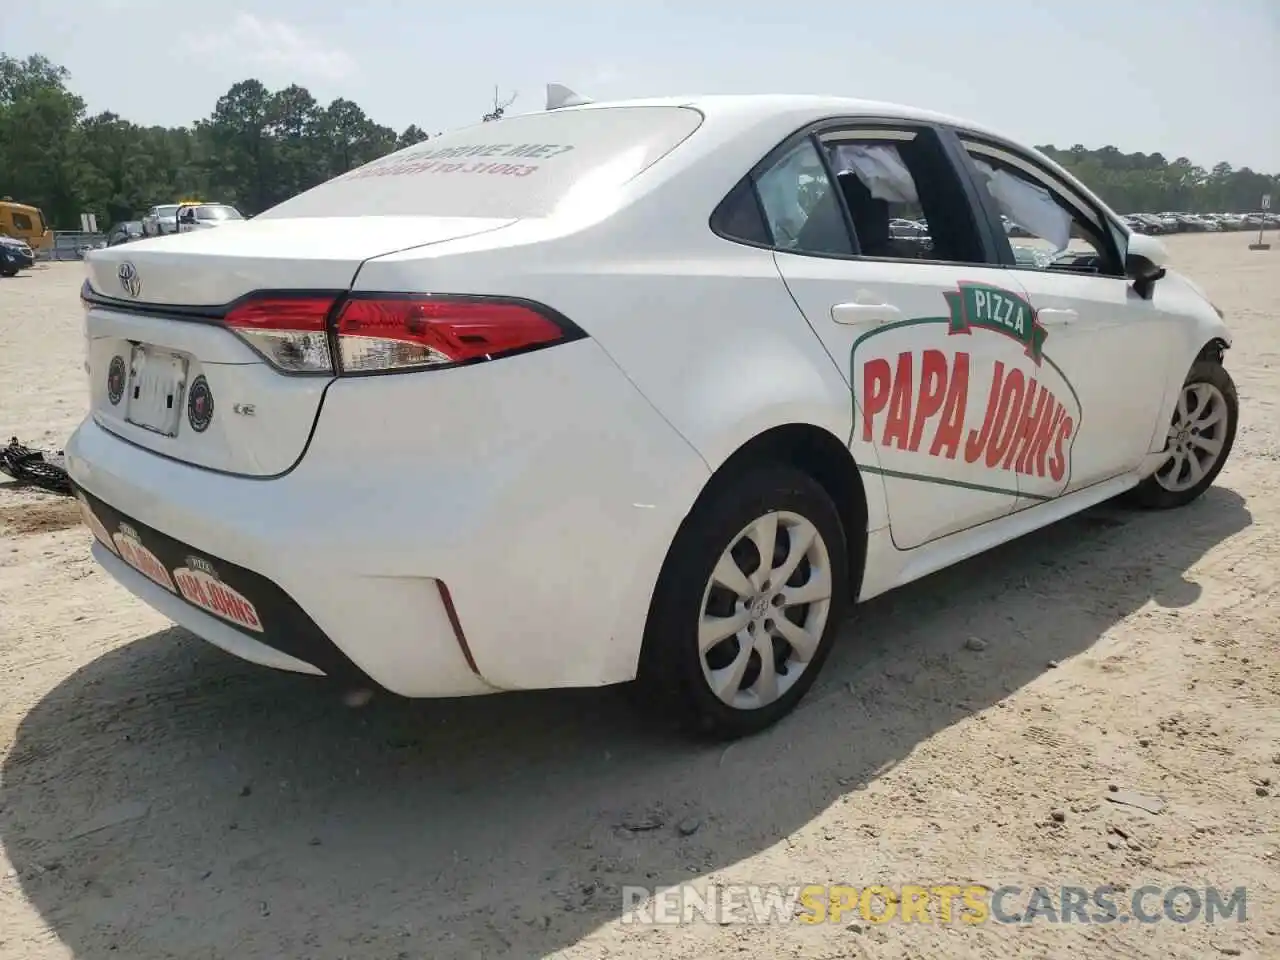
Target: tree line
259	147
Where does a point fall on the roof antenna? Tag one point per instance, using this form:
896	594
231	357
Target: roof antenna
558	95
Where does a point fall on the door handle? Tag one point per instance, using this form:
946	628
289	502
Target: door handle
1055	315
851	313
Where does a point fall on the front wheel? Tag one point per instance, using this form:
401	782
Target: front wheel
747	605
1199	439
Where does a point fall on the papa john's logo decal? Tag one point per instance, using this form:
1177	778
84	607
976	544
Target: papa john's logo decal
199	584
129	546
200	405
115	380
939	406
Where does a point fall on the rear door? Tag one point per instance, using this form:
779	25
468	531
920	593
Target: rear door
937	348
1111	346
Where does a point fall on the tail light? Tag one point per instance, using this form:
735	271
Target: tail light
290	332
385	333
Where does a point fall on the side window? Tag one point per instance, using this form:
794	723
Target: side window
1047	228
904	196
22	222
739	216
801	210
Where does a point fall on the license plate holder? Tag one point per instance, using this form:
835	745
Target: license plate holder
157	389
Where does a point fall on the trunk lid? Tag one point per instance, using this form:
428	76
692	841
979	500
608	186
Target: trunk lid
166	374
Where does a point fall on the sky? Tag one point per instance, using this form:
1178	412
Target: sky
1194	78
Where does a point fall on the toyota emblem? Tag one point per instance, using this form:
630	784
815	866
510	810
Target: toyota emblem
130	283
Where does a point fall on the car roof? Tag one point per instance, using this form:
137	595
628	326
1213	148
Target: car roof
807	108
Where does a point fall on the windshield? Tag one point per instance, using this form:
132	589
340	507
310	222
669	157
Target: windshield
217	211
522	166
169	210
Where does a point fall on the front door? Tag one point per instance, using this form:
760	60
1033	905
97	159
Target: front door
1107	343
937	346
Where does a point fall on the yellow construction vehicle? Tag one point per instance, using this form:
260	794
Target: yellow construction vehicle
25	222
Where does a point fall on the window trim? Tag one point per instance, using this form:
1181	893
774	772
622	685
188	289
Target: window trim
1075	202
862	127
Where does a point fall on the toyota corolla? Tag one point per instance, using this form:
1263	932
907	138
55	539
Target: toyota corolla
633	391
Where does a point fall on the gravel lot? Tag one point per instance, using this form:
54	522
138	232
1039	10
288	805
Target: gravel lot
161	799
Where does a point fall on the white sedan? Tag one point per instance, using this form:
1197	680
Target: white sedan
640	390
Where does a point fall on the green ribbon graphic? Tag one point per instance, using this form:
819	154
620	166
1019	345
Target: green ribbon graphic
1001	311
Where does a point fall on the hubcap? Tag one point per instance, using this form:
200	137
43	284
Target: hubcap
764	610
1196	437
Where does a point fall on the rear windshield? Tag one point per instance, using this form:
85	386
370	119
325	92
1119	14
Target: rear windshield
521	166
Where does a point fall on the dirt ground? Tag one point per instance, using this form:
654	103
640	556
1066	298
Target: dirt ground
161	799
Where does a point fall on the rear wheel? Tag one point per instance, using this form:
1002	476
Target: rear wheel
1199	439
747	604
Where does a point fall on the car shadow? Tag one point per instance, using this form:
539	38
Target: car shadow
167	800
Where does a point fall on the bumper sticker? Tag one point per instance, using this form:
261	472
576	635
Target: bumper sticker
95	525
200	585
131	551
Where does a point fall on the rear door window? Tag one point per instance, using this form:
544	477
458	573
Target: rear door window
517	167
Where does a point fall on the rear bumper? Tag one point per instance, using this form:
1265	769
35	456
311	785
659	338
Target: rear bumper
545	508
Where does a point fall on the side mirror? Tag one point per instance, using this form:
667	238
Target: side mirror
1145	263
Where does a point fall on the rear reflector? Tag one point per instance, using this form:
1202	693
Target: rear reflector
388	333
289	332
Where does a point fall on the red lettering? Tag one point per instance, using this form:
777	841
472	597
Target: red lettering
228	603
1058	465
898	424
1033	406
216	598
1045	438
951	429
1043	423
933	388
876	378
978	438
1006	419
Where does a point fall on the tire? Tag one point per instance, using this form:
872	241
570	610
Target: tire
1172	487
673	680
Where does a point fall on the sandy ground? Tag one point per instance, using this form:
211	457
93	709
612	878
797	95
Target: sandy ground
161	799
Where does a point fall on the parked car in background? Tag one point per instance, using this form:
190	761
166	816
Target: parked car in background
651	400
125	232
15	255
203	216
187	216
161	219
1154	225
